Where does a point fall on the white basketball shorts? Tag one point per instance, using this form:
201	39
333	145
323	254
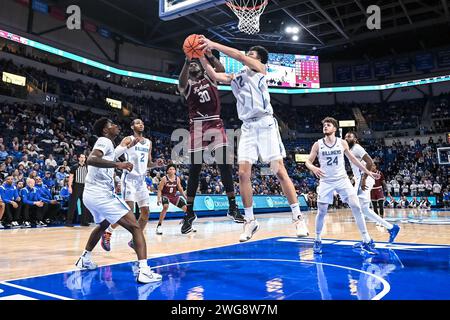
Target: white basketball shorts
260	138
326	189
134	189
105	205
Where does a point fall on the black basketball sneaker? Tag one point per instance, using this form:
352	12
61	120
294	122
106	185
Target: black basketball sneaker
188	220
235	215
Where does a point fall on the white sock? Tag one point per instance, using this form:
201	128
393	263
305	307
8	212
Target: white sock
249	214
296	213
318	237
110	229
86	255
373	216
143	264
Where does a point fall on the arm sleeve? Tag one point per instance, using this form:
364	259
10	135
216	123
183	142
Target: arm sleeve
119	151
2	195
25	199
43	196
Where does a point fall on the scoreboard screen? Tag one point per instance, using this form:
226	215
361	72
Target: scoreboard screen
284	70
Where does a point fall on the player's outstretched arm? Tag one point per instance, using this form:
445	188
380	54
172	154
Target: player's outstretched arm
184	76
234	53
215	76
309	162
356	162
95	159
122	147
216	64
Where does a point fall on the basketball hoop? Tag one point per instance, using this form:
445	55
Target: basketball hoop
248	12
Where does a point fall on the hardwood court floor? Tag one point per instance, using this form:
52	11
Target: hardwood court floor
33	252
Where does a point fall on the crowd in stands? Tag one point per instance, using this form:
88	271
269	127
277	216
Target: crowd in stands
402	115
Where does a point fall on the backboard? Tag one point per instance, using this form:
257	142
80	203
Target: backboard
172	9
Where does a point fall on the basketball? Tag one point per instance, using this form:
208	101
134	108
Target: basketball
191	47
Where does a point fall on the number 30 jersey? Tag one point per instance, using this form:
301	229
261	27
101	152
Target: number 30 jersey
251	91
138	156
203	100
331	159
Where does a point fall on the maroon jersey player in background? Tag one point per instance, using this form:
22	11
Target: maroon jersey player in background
202	97
167	193
377	194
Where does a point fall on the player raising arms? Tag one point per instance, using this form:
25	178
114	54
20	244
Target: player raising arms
333	177
260	135
202	97
167	193
364	184
106	207
137	150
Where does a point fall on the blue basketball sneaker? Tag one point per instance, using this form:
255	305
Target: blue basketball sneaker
368	248
393	233
317	248
359	245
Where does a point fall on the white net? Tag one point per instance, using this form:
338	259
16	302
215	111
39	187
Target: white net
248	12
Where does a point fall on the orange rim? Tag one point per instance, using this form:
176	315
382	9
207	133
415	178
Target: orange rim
239	8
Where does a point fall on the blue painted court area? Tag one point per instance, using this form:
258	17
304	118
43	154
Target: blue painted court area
274	269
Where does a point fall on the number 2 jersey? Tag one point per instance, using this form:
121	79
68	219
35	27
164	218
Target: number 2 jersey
332	162
206	128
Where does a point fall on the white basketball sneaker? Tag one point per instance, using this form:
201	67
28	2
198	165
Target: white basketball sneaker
300	227
146	275
250	227
85	264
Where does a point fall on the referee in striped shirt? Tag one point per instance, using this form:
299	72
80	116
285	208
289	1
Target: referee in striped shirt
76	187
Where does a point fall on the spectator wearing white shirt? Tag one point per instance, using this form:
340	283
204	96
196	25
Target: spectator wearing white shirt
405	189
51	162
428	187
413	188
421	188
396	187
437	191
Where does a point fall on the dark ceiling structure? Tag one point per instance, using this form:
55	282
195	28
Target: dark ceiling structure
329	28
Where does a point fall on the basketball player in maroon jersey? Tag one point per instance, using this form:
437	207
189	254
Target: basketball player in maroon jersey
377	194
167	193
202	97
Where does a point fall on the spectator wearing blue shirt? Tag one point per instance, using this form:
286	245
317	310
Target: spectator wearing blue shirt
61	176
32	205
64	196
11	198
41	160
446	198
3	153
51	206
48	180
39	171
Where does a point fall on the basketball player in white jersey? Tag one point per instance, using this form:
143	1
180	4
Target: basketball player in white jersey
137	150
260	137
106	207
364	184
333	177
